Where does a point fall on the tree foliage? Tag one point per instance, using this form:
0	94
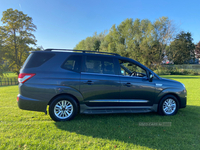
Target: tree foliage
141	40
181	50
1	53
197	50
16	38
91	43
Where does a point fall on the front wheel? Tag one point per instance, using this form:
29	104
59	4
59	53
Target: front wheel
63	108
168	105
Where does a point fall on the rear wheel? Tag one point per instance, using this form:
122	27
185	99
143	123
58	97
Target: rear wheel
168	105
63	108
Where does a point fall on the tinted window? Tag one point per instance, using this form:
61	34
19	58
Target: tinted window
96	64
72	63
37	59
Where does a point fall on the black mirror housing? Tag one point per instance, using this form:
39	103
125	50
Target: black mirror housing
151	76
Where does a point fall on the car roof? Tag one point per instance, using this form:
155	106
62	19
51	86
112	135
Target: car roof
82	52
86	52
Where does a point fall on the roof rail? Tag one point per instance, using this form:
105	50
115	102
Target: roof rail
83	51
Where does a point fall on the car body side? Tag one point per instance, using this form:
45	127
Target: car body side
51	80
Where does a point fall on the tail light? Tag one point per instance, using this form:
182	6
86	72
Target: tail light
23	77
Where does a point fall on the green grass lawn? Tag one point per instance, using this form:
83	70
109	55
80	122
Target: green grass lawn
20	129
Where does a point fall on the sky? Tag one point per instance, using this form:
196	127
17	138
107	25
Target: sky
64	23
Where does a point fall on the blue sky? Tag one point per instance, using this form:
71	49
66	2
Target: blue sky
63	23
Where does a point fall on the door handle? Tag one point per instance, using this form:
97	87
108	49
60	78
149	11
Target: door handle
88	82
127	84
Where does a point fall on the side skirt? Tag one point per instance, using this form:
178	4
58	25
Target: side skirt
84	109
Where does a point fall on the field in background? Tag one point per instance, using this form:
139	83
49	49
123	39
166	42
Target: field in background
9	78
184	66
10	75
20	129
185	69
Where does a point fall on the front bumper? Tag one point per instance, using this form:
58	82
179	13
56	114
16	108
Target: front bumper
183	99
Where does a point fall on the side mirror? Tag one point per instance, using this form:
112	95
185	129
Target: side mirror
151	77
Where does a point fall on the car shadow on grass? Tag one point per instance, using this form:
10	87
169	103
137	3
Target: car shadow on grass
149	130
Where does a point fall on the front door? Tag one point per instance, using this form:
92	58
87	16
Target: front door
136	90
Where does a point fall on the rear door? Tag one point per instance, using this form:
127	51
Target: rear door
100	84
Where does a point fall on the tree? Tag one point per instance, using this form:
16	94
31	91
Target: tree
91	43
126	39
164	31
181	50
140	39
2	64
97	45
197	50
17	37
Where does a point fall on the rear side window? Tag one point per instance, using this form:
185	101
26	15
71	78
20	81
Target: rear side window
37	59
102	65
73	63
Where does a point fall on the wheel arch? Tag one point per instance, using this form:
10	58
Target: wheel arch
170	93
66	94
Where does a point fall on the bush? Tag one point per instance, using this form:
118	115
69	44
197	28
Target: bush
175	71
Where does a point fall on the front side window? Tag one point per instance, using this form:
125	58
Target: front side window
130	69
73	63
102	65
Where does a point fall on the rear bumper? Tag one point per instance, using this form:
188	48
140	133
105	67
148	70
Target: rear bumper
26	103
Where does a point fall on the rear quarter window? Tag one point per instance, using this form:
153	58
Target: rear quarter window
37	59
73	63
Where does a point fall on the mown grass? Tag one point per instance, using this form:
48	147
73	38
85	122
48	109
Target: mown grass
20	129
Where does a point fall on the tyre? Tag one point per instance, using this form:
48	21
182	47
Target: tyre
63	108
168	105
